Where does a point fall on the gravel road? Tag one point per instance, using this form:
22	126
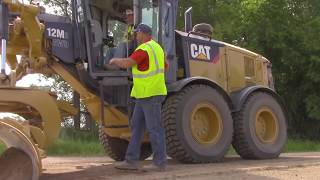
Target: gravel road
289	166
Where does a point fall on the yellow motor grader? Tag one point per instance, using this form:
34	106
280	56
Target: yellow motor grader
218	94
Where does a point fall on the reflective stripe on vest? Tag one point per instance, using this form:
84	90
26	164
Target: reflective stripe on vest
151	73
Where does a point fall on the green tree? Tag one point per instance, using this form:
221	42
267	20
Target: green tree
287	33
60	6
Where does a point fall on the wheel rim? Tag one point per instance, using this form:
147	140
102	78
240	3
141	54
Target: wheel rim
206	124
266	125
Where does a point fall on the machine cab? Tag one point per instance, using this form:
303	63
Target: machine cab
106	25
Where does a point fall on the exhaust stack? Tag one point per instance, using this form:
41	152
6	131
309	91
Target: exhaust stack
3	34
188	20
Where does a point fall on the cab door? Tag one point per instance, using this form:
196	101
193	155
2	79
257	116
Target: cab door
168	13
160	15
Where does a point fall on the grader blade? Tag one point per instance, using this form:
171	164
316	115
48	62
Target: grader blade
21	160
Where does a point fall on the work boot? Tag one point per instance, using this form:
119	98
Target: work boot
153	167
124	165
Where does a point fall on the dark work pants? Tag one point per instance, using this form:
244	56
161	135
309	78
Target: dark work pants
147	115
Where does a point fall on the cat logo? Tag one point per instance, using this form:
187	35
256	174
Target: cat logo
200	52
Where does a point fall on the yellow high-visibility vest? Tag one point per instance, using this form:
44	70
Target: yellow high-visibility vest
152	81
129	34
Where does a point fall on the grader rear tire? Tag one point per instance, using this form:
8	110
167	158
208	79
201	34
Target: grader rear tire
116	148
198	125
260	128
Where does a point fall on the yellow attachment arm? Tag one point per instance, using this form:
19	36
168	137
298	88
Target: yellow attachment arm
33	30
32	102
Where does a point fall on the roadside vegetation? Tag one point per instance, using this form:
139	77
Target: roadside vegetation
76	143
295	145
299	145
70	147
2	147
84	143
73	143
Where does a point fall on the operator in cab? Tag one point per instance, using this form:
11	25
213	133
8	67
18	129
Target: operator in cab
124	48
129	19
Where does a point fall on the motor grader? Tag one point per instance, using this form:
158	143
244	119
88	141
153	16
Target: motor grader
218	94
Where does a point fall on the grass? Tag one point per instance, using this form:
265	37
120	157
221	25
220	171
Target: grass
298	145
231	151
73	143
294	145
77	143
69	147
93	148
2	147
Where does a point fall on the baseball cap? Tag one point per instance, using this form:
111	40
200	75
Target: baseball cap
143	28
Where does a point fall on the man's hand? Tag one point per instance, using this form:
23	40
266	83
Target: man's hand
114	61
122	62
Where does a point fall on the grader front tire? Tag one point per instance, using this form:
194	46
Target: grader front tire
22	159
260	127
15	164
198	125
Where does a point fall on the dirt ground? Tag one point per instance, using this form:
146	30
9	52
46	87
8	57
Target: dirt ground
291	166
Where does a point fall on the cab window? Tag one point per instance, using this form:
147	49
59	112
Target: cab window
150	15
